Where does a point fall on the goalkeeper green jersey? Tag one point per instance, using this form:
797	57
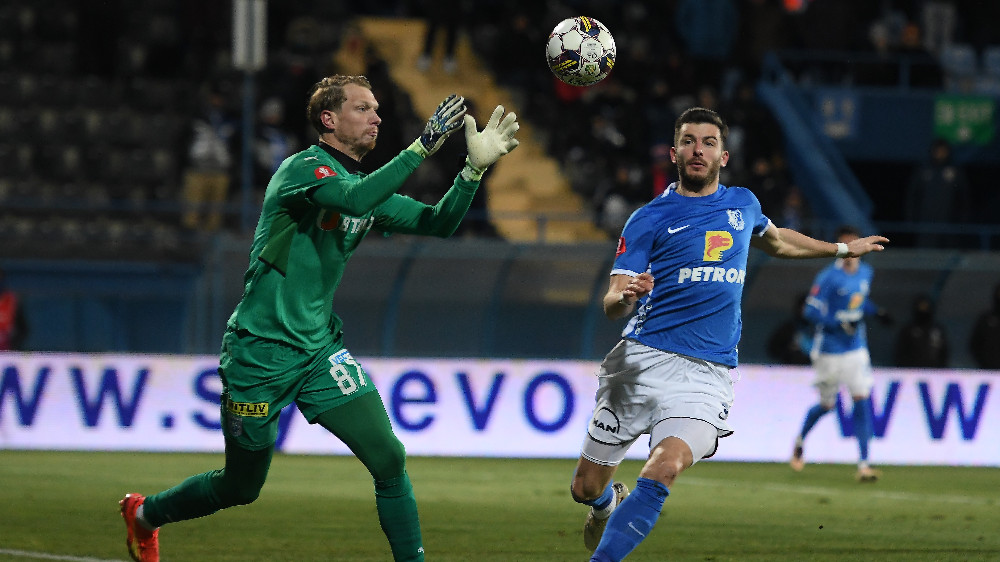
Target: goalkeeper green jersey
317	208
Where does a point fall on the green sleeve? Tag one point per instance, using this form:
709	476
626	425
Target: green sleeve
408	216
357	197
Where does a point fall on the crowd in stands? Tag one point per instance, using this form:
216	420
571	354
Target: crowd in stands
120	121
613	138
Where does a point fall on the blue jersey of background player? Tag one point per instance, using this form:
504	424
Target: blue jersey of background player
696	248
837	304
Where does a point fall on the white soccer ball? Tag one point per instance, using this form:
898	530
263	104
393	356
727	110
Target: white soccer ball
580	51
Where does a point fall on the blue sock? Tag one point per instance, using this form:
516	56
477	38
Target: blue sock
862	418
631	521
812	416
602	501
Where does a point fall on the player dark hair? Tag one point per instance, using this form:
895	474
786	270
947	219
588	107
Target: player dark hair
328	94
847	230
701	115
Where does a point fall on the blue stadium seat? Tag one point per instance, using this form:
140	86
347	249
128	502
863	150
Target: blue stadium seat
961	66
988	81
991	60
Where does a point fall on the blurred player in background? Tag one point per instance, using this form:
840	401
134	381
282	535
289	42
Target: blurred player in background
13	320
283	342
837	305
669	376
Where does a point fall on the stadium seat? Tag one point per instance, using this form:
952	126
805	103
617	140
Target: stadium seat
8	126
961	65
10	91
988	82
96	93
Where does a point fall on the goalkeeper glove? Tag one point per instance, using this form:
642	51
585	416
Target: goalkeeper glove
446	120
486	147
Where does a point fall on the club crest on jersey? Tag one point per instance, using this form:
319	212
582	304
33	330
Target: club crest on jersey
324	172
235	425
717	242
621	246
736	219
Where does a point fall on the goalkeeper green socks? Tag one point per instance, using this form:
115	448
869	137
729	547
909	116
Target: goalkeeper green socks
397	513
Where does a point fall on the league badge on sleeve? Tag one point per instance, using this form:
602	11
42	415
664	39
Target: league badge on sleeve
324	172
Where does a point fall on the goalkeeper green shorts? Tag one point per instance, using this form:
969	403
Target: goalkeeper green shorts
261	376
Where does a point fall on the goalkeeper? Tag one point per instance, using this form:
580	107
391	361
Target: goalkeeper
283	343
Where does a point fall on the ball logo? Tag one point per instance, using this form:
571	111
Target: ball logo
716	242
324	172
621	246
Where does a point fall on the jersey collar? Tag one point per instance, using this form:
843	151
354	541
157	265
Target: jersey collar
350	164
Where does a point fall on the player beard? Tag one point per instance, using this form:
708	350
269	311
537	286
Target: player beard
358	147
698	182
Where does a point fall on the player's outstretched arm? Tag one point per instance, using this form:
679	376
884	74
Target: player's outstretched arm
446	120
791	244
487	146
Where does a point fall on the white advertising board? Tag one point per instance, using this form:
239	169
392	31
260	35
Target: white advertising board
484	407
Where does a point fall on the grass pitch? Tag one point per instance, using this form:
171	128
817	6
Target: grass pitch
64	506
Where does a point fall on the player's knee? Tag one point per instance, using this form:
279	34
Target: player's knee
246	496
239	495
391	462
584	490
665	471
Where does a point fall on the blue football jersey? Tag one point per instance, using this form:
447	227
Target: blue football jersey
696	249
837	298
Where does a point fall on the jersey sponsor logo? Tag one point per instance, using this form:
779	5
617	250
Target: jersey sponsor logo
332	220
857	299
329	220
324	172
711	274
716	242
621	246
247	409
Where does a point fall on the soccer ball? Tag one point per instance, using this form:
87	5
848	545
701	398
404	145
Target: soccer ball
580	51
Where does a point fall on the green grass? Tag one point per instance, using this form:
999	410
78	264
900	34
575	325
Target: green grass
322	508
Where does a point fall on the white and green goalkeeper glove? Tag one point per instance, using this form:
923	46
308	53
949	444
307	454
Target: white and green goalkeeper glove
486	147
446	120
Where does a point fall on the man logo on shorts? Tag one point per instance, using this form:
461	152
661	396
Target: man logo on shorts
605	421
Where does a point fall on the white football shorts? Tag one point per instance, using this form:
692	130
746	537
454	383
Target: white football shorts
642	390
852	369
